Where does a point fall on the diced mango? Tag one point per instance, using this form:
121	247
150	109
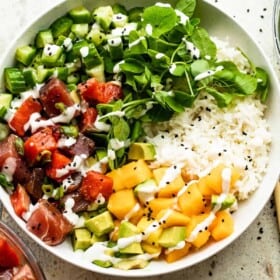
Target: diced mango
173	218
151	249
177	254
121	203
222	226
157	204
214	179
191	202
154	235
171	188
130	175
202	236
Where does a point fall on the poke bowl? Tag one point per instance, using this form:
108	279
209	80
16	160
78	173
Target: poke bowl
141	138
18	260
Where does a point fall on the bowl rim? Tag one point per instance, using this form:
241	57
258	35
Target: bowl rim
275	25
25	251
222	245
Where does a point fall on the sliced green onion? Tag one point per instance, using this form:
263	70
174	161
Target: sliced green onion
19	146
70	130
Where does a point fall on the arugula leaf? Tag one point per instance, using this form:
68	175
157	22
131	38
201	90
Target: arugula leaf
186	6
263	83
121	129
159	19
223	98
199	66
246	83
202	41
158	114
132	65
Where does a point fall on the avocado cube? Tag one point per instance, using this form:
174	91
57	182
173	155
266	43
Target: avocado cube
131	264
81	239
100	224
144	151
224	201
101	238
128	229
102	263
171	236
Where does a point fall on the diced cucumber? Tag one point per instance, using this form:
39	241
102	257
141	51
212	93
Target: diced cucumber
51	54
43	74
5	101
90	56
80	15
25	54
80	29
43	38
97	72
60	73
115	48
14	80
30	76
103	16
4	131
61	26
61	60
119	20
96	36
73	78
75	52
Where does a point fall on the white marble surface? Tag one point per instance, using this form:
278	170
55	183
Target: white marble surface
256	254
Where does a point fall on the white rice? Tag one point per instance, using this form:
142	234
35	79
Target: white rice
205	135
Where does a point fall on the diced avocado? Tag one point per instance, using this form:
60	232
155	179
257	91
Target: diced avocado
144	151
81	239
44	37
80	15
101	238
102	263
224	201
131	264
146	190
100	224
103	15
128	229
51	54
25	54
171	236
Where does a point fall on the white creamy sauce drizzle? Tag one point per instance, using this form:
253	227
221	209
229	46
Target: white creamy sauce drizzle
119	19
147	192
172	68
66	142
117	144
116	68
50	49
194	51
115	42
100	199
201	227
149	29
159	55
75	165
171	173
9	168
178	246
226	180
125	30
136	42
73	218
67	182
84	51
183	18
208	73
133	211
34	123
67	44
164	5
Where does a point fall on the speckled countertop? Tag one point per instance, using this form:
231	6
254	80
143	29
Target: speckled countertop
253	256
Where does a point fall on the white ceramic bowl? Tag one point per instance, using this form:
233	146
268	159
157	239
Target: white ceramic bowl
219	25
